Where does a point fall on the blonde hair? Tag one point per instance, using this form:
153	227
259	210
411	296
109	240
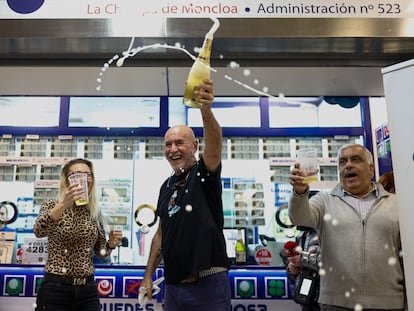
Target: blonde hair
93	205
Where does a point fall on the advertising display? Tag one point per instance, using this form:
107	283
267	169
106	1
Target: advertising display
383	141
251	289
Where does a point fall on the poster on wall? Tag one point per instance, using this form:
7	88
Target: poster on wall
7	239
32	251
383	144
115	199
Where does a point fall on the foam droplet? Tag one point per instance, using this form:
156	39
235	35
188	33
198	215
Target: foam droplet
120	62
327	217
188	208
144	229
358	307
246	72
102	251
392	261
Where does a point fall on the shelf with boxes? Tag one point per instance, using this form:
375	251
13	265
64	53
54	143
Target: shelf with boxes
224	151
7	146
246	148
249	203
63	146
327	148
276	147
154	148
31	146
126	148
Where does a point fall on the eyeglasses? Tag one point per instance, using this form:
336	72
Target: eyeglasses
89	175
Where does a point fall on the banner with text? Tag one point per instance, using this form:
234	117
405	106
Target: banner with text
54	9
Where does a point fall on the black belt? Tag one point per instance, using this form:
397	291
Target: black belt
203	274
67	280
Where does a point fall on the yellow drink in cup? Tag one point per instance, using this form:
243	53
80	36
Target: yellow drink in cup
309	179
81	179
80	202
308	160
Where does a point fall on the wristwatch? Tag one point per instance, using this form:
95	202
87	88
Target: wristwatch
108	246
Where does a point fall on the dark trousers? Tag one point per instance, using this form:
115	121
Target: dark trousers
55	295
207	294
313	306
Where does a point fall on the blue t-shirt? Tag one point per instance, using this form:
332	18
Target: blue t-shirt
191	210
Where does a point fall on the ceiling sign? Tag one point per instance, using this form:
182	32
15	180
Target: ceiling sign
54	9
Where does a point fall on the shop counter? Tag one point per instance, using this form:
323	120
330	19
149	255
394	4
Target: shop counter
253	288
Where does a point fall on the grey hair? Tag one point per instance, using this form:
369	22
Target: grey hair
368	154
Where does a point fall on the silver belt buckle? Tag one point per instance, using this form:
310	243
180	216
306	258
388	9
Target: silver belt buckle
79	281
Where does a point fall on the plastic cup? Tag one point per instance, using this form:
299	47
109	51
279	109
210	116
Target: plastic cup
308	160
80	179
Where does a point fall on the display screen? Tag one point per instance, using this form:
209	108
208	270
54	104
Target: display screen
305	286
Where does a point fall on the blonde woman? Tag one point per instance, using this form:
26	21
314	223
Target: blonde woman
75	234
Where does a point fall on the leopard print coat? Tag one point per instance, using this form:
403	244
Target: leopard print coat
72	240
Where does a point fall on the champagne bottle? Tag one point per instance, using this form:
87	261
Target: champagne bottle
198	72
240	249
